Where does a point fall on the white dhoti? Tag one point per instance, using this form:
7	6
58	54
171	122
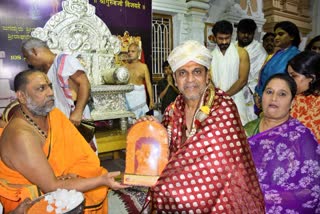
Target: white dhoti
136	101
225	72
257	56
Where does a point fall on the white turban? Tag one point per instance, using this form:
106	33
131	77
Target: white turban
189	51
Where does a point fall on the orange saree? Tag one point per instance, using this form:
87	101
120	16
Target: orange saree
67	152
306	109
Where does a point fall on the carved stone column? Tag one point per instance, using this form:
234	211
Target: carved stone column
315	17
180	29
286	10
197	12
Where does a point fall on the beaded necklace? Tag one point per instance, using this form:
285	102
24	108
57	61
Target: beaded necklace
34	124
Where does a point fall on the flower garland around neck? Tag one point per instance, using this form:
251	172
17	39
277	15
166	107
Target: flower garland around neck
201	114
34	124
203	111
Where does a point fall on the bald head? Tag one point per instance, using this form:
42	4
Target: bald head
135	45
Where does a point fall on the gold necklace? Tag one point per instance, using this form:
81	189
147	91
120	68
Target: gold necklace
34	124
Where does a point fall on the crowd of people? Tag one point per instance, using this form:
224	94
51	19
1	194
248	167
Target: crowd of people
243	125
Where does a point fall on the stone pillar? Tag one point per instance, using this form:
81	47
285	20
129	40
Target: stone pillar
197	12
180	27
294	11
315	17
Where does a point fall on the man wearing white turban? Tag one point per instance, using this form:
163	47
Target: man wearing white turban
210	168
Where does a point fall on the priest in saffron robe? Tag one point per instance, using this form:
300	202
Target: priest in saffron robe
38	153
210	168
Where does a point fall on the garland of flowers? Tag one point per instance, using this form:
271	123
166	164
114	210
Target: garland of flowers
201	114
203	111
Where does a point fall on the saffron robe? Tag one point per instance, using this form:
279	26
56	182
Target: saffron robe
67	152
287	158
212	171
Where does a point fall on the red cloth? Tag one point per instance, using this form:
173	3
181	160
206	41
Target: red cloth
211	171
142	57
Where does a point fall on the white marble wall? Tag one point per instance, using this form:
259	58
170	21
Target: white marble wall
190	16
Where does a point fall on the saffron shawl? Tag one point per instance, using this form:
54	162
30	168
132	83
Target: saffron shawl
67	152
277	64
212	171
287	158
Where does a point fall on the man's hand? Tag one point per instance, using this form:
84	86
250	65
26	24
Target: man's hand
147	117
75	118
109	179
67	176
151	104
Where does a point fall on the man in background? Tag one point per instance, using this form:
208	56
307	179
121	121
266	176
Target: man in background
230	67
68	77
139	76
257	55
166	89
268	44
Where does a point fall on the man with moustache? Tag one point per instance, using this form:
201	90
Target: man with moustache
210	168
230	67
245	34
268	44
41	151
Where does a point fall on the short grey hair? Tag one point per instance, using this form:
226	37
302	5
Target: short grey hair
31	43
